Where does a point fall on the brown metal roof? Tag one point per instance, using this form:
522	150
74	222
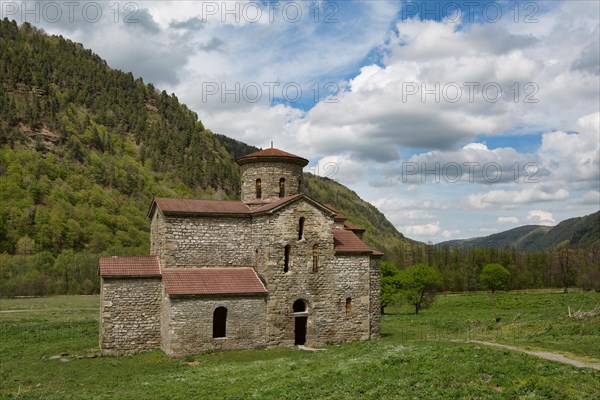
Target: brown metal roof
201	207
339	216
354	228
146	266
271	155
212	281
287	200
331	207
274	204
345	241
236	209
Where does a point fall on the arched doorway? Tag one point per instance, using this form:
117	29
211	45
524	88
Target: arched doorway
220	322
300	322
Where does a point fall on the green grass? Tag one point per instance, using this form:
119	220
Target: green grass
416	358
533	320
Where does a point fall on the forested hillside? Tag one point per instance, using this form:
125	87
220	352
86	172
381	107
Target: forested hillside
83	150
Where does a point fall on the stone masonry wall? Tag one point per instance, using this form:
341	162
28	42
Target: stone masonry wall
129	315
165	331
272	233
269	173
207	242
375	298
352	279
190	322
325	290
157	235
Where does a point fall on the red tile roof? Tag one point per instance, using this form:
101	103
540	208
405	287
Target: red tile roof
271	155
212	281
345	241
201	207
146	266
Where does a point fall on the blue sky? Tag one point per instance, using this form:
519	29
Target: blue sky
456	119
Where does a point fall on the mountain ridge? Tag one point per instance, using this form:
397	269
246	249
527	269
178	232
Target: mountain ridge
578	231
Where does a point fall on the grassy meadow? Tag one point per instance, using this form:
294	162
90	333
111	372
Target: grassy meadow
423	356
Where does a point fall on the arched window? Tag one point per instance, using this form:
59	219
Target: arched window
256	259
348	307
315	256
300	228
282	187
299	306
286	258
220	322
258	188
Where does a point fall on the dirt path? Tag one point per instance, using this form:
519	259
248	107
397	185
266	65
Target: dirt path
542	354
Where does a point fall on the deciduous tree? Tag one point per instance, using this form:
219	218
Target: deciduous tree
419	285
494	277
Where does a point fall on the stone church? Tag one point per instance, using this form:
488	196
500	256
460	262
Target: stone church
275	268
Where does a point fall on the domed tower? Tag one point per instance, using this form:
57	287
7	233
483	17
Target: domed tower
270	174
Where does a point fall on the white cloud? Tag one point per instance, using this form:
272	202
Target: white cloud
447	234
485	231
508	220
424	230
381	108
508	199
256	125
574	157
592	198
474	162
539	217
342	168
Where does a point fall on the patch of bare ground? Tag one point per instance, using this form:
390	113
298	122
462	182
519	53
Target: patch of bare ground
542	354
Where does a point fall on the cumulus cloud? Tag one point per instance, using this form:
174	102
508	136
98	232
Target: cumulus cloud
485	231
447	234
589	60
574	157
539	217
590	198
271	126
342	168
508	220
431	229
508	199
474	162
420	98
190	24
